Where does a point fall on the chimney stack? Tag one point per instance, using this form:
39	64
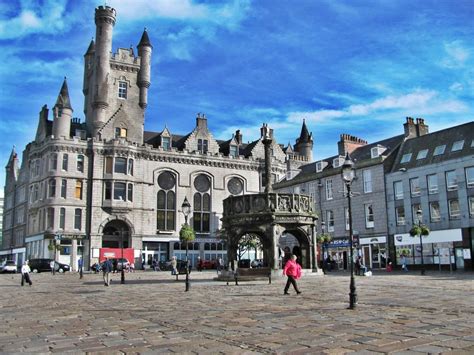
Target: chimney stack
348	143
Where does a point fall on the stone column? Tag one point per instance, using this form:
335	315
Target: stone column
267	142
274	249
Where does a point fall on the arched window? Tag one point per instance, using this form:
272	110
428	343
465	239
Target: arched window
202	204
166	202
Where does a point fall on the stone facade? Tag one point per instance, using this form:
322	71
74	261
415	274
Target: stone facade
106	182
378	167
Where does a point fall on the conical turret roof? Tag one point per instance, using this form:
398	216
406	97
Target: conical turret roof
145	40
305	136
91	48
63	98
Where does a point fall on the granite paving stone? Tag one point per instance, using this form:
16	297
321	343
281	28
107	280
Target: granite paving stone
396	313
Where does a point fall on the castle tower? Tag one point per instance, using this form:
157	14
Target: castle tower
304	144
88	69
42	129
144	52
62	113
105	21
115	83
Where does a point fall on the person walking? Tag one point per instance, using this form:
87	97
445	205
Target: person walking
106	270
80	265
403	261
25	273
293	271
174	266
357	266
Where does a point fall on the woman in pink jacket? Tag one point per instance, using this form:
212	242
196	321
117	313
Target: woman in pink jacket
293	271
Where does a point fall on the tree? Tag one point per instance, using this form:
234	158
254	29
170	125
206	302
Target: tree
247	243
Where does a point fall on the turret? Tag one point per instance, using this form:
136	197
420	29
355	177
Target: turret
12	168
42	129
105	21
88	66
304	144
62	112
144	51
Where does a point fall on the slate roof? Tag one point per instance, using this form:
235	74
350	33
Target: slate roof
361	155
154	138
430	141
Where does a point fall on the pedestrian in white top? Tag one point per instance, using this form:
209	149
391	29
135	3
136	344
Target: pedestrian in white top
25	273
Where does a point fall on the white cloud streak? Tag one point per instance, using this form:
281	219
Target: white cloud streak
419	101
47	18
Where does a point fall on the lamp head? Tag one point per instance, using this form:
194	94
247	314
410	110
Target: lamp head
186	207
419	213
348	170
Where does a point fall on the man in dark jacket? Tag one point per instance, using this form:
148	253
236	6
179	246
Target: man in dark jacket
106	270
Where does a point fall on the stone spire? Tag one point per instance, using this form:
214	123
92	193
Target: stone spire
63	100
62	112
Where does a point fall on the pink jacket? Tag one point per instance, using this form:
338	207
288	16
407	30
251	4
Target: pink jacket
292	268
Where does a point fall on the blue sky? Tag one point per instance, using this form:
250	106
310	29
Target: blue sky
357	67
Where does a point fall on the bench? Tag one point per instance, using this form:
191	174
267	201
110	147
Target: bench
252	274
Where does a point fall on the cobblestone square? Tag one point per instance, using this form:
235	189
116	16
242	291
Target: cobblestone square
397	313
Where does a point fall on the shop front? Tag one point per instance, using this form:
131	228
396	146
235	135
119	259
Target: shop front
152	249
373	252
439	249
337	251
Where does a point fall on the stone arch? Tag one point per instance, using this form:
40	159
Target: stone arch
267	216
116	218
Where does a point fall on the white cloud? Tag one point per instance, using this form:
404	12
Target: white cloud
419	101
227	15
456	87
456	55
47	18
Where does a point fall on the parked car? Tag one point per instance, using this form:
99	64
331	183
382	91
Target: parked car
42	265
8	266
209	264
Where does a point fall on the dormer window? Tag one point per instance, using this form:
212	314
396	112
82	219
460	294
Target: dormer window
120	132
233	151
457	146
166	143
122	90
202	145
337	162
406	158
319	166
374	152
377	151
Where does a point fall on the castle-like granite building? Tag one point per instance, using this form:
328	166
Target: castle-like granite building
107	182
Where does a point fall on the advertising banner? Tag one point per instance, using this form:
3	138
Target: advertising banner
116	253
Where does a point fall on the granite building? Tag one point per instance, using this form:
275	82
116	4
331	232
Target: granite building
432	182
396	177
106	182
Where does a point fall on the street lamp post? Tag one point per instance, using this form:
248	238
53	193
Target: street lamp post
186	209
122	273
323	259
419	214
348	174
